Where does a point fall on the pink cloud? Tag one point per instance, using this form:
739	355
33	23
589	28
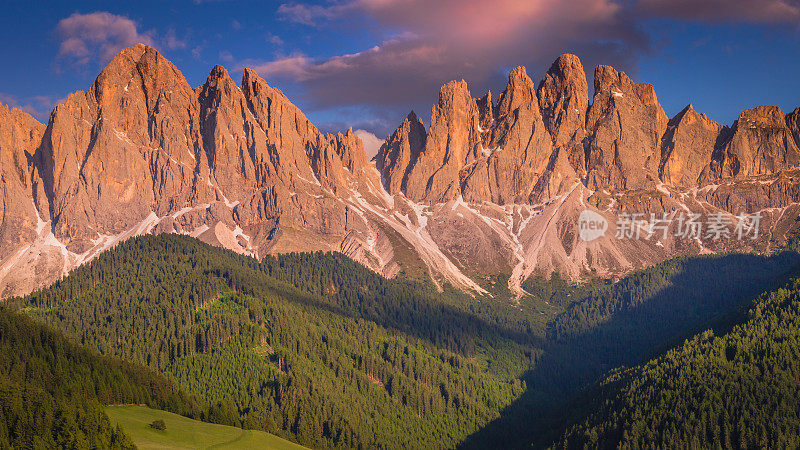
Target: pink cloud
427	43
295	67
371	142
97	35
100	35
434	42
750	11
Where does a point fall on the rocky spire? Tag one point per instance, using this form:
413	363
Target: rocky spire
232	140
625	125
290	135
453	141
20	135
564	99
398	154
793	123
687	147
518	151
520	92
486	108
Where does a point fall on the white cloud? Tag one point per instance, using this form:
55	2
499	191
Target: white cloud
371	142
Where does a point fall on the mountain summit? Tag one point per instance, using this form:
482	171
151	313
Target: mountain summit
488	189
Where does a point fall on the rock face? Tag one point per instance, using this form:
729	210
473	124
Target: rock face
517	152
108	154
564	99
399	153
453	141
687	148
625	124
472	149
761	143
20	135
793	122
489	189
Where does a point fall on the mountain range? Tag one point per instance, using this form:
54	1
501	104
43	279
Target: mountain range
488	189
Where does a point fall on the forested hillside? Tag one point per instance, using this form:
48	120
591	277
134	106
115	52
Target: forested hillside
738	390
626	323
51	390
363	369
322	351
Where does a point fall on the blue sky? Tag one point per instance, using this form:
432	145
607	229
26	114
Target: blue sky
366	63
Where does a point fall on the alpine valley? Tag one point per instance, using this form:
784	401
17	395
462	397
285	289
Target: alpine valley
209	252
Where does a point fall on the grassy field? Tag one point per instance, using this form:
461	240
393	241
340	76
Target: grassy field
186	433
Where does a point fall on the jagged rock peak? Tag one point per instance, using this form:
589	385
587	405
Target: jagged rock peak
250	76
351	150
219	77
761	116
564	99
687	147
486	108
625	124
606	78
452	95
253	85
520	91
761	143
20	135
139	67
11	115
397	155
793	122
452	141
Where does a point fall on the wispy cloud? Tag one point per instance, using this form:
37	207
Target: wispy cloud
371	142
312	14
715	11
98	35
427	43
433	42
172	42
225	56
274	39
39	106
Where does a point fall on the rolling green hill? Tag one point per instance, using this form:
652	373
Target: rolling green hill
183	433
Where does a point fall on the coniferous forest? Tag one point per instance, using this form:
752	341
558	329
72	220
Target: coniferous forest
51	390
735	390
320	350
